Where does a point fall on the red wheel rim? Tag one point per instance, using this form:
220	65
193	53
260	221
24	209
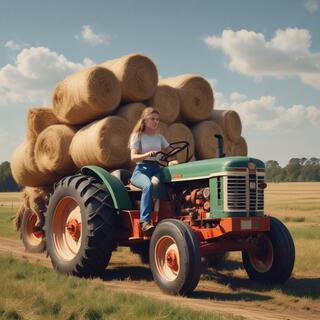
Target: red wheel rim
261	257
167	258
33	237
67	228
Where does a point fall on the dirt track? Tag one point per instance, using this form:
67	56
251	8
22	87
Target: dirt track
132	277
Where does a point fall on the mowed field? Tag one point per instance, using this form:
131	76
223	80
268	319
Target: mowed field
296	204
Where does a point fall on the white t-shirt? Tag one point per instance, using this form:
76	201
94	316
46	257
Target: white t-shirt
146	143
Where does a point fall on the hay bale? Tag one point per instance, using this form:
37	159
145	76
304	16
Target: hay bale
167	102
230	123
196	96
180	132
240	148
52	153
39	119
163	129
205	143
137	74
89	94
103	142
131	112
24	169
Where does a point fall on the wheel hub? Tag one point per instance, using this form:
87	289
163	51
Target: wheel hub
74	229
172	260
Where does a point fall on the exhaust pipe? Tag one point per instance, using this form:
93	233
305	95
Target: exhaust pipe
220	153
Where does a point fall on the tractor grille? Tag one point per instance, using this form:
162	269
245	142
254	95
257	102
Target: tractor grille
244	194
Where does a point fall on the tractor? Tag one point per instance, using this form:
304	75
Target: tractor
201	209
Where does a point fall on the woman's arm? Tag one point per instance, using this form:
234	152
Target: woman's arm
136	156
172	160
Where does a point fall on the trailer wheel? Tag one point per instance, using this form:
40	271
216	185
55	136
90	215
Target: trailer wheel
272	260
32	239
80	226
175	259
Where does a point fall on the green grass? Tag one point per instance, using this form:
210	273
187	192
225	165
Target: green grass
7	228
33	292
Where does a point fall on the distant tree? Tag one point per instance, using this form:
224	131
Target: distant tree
298	169
7	183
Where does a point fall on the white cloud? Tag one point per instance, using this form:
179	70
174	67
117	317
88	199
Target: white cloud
89	36
287	54
237	96
311	6
12	45
265	113
34	74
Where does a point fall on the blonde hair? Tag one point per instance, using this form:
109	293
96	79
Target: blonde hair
140	125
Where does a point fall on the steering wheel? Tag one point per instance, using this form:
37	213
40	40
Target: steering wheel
163	159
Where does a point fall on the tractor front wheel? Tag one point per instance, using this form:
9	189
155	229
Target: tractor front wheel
80	226
272	259
175	259
32	236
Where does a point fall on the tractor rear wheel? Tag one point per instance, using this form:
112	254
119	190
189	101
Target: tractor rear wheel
272	259
175	259
80	226
32	238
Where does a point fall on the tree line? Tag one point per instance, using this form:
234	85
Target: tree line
298	169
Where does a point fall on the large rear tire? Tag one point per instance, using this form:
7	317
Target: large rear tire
272	260
32	239
80	226
175	259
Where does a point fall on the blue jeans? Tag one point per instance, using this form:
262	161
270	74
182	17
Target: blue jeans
141	178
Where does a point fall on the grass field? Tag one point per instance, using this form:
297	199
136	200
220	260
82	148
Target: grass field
60	297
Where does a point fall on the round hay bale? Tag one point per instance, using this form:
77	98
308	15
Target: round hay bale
103	142
230	123
180	132
24	169
163	129
196	96
131	112
137	74
36	198
167	102
227	146
89	94
205	141
240	148
39	119
52	153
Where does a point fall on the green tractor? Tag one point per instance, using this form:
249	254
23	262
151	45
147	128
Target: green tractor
203	209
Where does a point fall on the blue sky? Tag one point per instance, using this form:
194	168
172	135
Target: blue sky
262	57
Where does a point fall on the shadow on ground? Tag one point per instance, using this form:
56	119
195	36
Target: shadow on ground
296	287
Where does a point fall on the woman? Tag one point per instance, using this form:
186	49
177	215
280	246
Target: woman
145	142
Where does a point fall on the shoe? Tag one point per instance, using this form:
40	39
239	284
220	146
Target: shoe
146	225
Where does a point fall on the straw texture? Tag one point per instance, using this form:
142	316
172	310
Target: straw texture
163	129
180	132
131	112
240	148
39	119
166	101
103	142
24	169
137	74
230	122
196	96
89	94
205	142
52	153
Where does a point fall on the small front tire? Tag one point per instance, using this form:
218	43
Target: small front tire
175	259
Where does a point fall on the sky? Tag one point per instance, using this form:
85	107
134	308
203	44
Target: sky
261	57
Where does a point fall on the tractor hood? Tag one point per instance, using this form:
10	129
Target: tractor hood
205	168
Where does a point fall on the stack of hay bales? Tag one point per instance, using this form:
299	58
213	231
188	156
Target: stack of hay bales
94	111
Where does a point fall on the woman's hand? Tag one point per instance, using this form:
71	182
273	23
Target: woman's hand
173	162
150	153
